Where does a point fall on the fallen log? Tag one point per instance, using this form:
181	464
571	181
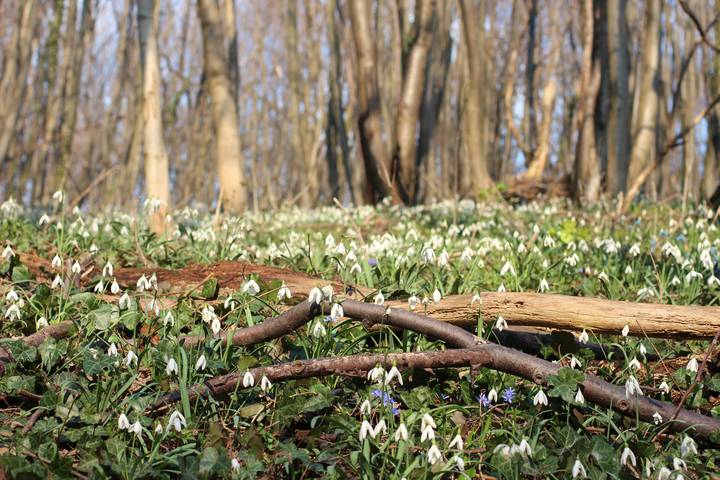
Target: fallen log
578	313
550	311
493	356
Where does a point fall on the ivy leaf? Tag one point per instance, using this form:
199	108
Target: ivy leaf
565	383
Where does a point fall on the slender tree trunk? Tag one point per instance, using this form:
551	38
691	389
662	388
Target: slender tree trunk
231	171
689	101
587	165
374	155
475	112
529	120
644	129
711	173
619	100
157	180
14	81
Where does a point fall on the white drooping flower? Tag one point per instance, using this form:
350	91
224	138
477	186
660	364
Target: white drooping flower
664	387
112	350
628	456
428	433
56	262
457	442
171	367
436	296
158	428
327	292
574	362
169	319
251	287
434	455
99	287
114	287
507	267
401	433
584	337
492	396
628	270
365	430
501	324
136	428
235	465
41	323
540	398
215	326
265	384
365	407
315	296
625	331
123	422
412	302
375	374
381	427
76	269
177	421
579	397
688	447
657	418
393	373
578	469
427	420
13	311
124	301
208	314
379	299
131	358
201	363
284	292
632	387
248	379
692	365
57	282
58	196
336	312
634	364
8	252
319	330
603	276
679	464
544	286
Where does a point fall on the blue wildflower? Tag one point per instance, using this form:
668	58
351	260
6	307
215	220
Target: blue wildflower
508	394
372	261
483	400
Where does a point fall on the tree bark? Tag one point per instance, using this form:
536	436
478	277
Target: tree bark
157	179
375	157
476	112
228	149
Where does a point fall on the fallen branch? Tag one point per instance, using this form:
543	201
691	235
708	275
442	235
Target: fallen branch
494	356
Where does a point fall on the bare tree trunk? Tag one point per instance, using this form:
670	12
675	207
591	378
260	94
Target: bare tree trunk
689	101
375	156
157	180
225	117
230	28
619	100
529	122
475	112
711	173
14	81
644	130
587	166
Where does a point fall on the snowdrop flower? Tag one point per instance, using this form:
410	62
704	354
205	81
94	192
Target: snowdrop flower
457	442
379	299
124	301
524	448
41	323
107	270
114	287
713	281
645	292
692	365
336	312
169	319
112	350
679	464
492	396
171	367
76	268
584	337
540	398
428	433
99	288
503	449
664	387
265	384
123	422
376	374
365	407
158	428
501	288
634	364
643	350
578	469
142	284
628	270
235	465
201	363
365	430
675	281
501	324
215	326
433	455
393	373
379	428
427	420
401	433
177	421
12	296
131	358
544	287
657	418
475	299
688	447
436	296
628	456
412	302
136	428
58	196
284	292
248	379
507	267
57	282
251	287
44	219
315	296
8	253
208	314
603	276
56	262
574	362
625	330
632	387
579	397
634	250
355	269
692	275
443	259
327	292
318	330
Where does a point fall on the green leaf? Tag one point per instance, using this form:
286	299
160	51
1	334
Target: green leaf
47	451
210	289
565	383
21	276
51	351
